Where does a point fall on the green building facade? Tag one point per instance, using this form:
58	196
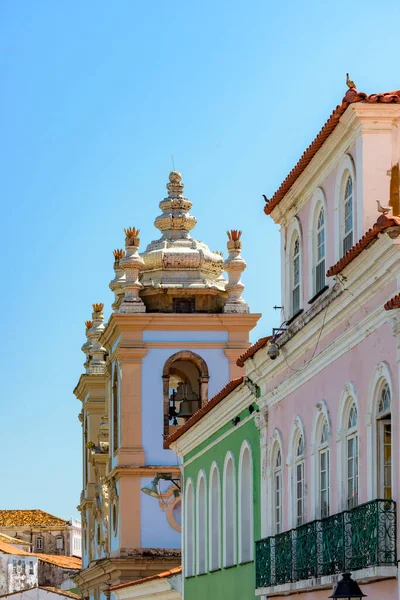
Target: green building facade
220	487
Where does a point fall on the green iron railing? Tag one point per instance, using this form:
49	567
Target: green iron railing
355	539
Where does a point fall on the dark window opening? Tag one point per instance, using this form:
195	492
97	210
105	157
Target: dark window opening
183	305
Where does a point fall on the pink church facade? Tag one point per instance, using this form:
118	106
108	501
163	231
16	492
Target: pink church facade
329	377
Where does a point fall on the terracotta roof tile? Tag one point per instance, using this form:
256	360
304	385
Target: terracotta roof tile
232	385
393	303
351	97
252	350
170	573
65	562
31	518
11	540
384	222
10	549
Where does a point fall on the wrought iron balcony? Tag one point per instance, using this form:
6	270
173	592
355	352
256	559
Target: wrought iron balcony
355	539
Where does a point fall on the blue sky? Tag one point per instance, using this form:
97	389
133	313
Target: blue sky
95	98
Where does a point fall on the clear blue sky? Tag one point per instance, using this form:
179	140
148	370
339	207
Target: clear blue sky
95	97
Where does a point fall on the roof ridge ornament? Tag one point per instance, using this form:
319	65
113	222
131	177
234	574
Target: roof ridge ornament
96	363
116	284
175	222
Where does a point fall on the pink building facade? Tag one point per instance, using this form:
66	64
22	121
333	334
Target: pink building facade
329	378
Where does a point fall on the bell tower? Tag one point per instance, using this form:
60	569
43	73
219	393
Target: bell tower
175	332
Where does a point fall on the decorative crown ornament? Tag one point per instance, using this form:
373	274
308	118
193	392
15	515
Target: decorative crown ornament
234	265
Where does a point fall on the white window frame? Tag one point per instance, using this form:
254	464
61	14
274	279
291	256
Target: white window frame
323	450
214	513
277	484
201	524
39	542
245	483
352	436
384	418
345	169
189	529
59	539
299	463
295	275
318	203
229	496
287	268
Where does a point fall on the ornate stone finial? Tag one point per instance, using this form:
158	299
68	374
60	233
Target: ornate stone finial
234	265
175	222
87	346
97	363
350	84
131	264
116	284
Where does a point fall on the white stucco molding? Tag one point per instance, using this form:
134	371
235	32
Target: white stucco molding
245	447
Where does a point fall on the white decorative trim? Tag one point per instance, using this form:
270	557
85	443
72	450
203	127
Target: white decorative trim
321	415
214	468
201	477
268	514
245	446
229	457
296	432
294	228
186	549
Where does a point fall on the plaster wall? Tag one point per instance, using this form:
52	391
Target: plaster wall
152	393
22	579
237	582
356	367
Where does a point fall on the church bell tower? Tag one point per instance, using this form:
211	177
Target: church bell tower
175	332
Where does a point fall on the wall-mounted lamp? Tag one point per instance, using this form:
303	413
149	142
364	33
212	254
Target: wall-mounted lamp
347	588
153	489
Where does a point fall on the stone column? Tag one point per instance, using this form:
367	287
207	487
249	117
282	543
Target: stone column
132	264
234	266
117	284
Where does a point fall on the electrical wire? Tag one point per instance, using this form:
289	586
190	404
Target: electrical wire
315	349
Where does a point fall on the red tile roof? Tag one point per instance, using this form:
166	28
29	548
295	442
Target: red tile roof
232	385
65	562
30	518
384	222
163	575
393	303
47	588
252	350
352	96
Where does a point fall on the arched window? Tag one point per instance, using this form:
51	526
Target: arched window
352	457
384	438
201	522
214	535
277	491
185	388
299	482
245	504
320	252
229	513
115	409
323	471
189	529
295	274
348	215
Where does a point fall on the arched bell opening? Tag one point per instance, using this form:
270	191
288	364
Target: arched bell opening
185	388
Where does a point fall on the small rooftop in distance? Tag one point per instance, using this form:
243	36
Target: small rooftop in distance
30	518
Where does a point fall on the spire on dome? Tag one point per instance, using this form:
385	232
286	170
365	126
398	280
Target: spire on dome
175	222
